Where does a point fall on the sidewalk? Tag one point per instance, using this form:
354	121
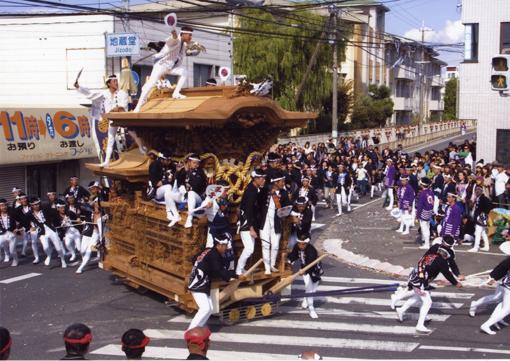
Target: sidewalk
366	238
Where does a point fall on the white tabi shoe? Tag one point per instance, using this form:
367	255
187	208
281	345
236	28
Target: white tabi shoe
73	257
423	329
312	313
393	301
267	272
178	96
487	330
274	269
304	304
14	263
472	309
189	223
173	222
389	208
64	264
36	260
47	261
400	315
424	247
7	259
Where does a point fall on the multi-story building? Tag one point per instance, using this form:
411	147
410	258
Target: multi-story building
451	72
487	33
47	134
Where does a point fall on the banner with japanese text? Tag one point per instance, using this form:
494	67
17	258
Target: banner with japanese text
30	135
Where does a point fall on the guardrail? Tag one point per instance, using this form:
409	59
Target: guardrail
391	136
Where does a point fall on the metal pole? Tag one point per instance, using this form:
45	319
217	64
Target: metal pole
420	120
334	116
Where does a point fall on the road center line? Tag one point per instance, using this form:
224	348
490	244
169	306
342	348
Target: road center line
19	278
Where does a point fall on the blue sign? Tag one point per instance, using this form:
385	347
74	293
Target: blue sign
49	126
122	44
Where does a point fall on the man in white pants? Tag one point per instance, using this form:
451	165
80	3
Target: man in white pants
8	227
273	198
481	211
425	210
209	264
429	266
389	182
169	62
501	295
306	253
343	184
67	231
249	217
111	100
191	185
45	222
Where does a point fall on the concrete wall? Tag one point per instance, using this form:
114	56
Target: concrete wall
388	136
476	99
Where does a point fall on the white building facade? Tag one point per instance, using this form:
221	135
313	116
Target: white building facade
46	131
487	33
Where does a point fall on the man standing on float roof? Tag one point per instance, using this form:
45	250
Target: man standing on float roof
169	62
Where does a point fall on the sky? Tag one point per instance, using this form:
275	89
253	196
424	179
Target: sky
442	17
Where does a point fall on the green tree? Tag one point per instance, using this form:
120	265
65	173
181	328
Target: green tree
372	111
450	99
345	103
285	58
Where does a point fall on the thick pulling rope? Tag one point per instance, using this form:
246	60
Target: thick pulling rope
348	291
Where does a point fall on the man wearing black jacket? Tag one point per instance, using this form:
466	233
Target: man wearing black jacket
161	178
307	191
191	184
481	211
249	217
8	228
208	265
502	295
301	221
273	198
428	268
79	192
45	222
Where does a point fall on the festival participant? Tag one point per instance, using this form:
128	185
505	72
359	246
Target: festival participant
249	217
133	343
169	62
301	221
161	183
425	210
74	188
306	253
8	228
208	265
197	340
271	225
68	229
389	182
502	295
111	100
77	339
406	197
45	221
343	184
307	191
481	210
428	268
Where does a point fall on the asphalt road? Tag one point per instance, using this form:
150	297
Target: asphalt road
37	303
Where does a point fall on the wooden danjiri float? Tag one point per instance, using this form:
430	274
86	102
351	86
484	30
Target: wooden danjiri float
230	130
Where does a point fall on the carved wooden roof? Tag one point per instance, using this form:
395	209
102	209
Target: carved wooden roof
209	107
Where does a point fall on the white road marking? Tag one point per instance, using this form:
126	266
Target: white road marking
463	296
320	325
308	342
464	349
461	251
171	353
381	302
20	278
389	315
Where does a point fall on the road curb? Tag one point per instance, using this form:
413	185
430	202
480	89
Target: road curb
333	246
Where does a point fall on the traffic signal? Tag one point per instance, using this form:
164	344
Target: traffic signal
500	74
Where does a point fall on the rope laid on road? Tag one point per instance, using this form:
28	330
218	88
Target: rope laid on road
349	291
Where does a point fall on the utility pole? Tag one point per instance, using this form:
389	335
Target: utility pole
421	72
333	12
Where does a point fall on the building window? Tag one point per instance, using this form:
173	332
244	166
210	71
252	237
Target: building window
505	38
435	93
503	146
202	72
471	42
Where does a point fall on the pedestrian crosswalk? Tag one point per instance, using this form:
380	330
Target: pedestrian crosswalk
362	322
